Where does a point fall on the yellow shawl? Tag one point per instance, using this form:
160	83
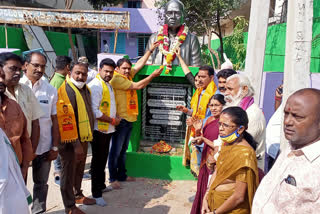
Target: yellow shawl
132	98
105	105
232	159
199	109
66	117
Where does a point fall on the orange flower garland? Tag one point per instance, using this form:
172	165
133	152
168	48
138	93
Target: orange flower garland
163	39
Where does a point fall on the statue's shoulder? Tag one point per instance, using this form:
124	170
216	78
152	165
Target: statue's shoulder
192	36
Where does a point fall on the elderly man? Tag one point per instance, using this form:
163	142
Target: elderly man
127	109
22	94
104	109
76	122
292	185
14	124
47	149
239	92
190	48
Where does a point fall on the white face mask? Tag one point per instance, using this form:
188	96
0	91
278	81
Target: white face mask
78	84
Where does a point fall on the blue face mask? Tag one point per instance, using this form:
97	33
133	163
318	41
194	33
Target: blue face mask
231	137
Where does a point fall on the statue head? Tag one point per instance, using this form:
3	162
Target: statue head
174	13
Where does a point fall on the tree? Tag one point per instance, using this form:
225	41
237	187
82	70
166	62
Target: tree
236	42
203	17
98	4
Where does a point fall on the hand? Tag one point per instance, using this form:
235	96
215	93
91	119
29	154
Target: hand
178	52
189	121
157	72
279	91
24	170
52	155
154	46
79	151
205	207
197	140
180	108
197	123
117	119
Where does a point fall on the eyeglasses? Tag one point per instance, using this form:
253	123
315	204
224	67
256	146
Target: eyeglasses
291	180
36	65
223	125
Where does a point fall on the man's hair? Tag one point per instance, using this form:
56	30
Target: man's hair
79	64
29	56
207	68
176	1
240	118
225	73
243	81
62	62
107	61
123	60
6	56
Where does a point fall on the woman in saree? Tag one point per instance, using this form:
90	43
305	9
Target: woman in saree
210	132
236	178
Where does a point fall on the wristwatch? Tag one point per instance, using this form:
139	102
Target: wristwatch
54	148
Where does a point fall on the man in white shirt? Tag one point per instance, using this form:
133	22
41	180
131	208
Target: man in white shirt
292	184
14	196
239	92
104	109
47	149
22	94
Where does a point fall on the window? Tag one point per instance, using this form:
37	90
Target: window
132	4
142	43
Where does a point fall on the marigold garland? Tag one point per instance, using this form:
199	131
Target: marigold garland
163	39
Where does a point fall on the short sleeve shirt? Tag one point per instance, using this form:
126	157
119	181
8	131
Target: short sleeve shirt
28	102
120	86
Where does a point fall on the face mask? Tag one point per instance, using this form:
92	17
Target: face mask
231	137
78	84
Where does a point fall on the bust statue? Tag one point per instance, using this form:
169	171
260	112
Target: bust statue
172	30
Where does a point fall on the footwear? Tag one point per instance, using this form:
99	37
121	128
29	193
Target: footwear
86	176
107	189
101	202
115	185
130	179
76	210
84	200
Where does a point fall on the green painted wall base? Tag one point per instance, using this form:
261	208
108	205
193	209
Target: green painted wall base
157	166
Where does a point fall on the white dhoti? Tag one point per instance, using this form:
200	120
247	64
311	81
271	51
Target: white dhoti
14	196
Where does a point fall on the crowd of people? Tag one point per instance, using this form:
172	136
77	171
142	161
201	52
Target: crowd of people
44	120
239	168
225	142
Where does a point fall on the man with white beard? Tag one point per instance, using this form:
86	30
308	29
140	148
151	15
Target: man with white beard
239	92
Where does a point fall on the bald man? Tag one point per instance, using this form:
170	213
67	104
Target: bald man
293	184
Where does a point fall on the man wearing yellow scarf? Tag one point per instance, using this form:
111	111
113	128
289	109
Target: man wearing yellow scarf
206	88
127	109
104	109
76	122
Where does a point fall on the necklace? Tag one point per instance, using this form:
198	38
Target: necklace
163	39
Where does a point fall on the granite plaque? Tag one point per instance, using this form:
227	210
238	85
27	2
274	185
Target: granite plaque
160	119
